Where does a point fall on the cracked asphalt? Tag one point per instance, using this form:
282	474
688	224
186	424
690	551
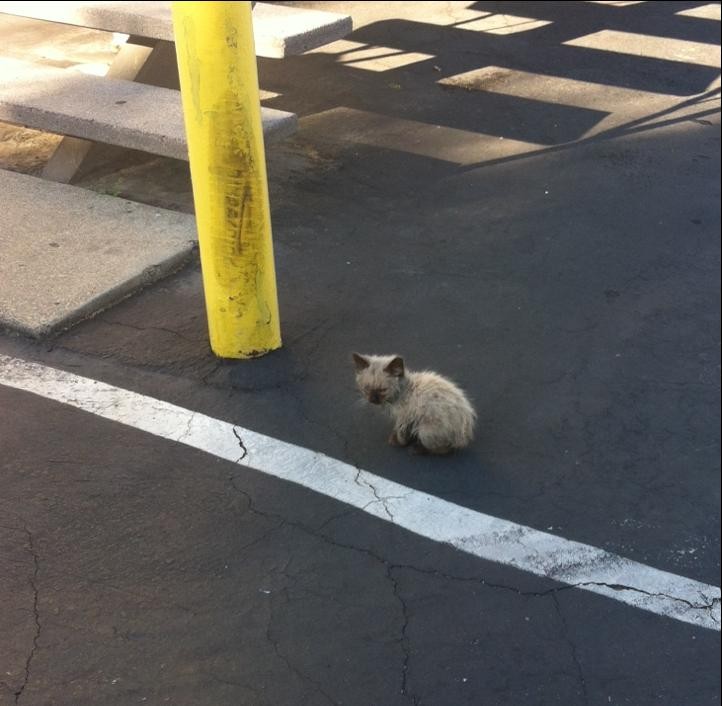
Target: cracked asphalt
553	246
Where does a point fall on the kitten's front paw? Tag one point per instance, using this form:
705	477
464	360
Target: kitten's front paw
418	449
394	440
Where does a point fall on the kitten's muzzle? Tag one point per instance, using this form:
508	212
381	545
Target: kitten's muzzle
376	398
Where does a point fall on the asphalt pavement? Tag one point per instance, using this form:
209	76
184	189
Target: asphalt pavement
522	196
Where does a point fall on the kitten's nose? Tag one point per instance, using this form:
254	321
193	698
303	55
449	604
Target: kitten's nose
375	398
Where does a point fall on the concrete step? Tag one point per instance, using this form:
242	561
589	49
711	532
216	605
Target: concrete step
67	252
111	111
278	31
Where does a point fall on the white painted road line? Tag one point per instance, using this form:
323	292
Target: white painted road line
483	536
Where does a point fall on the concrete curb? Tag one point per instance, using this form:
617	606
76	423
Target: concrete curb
68	253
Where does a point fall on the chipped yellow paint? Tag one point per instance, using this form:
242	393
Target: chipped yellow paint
222	111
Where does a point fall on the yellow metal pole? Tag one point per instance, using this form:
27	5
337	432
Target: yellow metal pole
221	106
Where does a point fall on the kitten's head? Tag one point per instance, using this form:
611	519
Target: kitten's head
379	377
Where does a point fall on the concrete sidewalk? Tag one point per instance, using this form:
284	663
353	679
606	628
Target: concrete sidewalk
68	253
104	251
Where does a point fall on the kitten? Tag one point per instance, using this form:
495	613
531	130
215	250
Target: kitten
429	412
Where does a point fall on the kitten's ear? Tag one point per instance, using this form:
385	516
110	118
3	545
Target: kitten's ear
395	367
360	362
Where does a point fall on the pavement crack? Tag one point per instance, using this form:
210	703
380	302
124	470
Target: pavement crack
275	644
321	424
389	569
205	379
403	639
262	537
365	483
251	507
244	450
36	616
709	606
572	650
187	432
333	518
143	329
